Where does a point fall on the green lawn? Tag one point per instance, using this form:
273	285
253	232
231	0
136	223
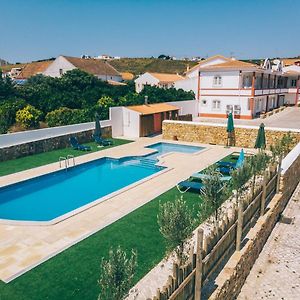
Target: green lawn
73	274
37	160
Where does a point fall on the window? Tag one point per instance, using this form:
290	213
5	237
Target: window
217	81
61	71
216	104
203	102
293	83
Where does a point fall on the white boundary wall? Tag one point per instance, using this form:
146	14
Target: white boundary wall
17	138
186	107
290	158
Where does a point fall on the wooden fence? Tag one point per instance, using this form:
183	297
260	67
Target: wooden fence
187	281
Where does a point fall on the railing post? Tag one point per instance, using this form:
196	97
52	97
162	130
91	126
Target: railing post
278	175
263	195
198	274
239	229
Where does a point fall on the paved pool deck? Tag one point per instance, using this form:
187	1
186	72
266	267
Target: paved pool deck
22	247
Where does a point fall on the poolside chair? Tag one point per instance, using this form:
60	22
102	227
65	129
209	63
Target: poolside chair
205	176
102	142
226	167
189	185
77	146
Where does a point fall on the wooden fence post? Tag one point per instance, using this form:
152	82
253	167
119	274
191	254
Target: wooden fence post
263	195
239	229
278	175
198	274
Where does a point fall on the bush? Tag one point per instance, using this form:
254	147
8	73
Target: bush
8	114
67	116
28	116
117	273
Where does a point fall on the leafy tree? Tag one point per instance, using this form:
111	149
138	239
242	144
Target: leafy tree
287	142
8	111
117	272
7	88
28	116
240	176
176	224
214	191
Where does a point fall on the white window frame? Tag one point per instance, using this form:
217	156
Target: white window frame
217	81
216	104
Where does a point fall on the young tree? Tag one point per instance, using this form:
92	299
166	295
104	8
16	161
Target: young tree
117	274
286	142
258	164
176	224
239	178
214	191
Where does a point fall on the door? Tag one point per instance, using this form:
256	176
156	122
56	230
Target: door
157	122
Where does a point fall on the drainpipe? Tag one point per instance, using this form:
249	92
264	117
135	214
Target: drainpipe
252	95
297	91
198	94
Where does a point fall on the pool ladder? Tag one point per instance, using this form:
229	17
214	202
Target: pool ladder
67	161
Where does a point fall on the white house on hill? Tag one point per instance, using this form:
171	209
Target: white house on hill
162	80
99	68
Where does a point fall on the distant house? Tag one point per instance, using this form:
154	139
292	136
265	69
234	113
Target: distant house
162	80
141	120
99	68
31	69
291	61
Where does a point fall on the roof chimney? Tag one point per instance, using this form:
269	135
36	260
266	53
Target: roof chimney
146	100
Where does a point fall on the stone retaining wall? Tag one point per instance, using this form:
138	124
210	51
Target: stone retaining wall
48	144
245	136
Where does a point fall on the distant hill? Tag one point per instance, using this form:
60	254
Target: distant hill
138	66
10	66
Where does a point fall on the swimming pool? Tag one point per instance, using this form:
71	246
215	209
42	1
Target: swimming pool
50	196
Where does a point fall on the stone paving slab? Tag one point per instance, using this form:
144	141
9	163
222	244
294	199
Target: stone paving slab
25	246
276	273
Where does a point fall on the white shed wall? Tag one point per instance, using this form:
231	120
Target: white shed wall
131	123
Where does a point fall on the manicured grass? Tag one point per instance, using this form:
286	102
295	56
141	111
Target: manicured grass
37	160
73	274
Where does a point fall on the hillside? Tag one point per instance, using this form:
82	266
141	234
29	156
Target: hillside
141	65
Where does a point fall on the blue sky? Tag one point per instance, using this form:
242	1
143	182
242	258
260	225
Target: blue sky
37	29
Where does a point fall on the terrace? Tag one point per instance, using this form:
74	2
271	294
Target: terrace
23	247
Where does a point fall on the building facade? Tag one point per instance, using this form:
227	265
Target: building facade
161	80
224	85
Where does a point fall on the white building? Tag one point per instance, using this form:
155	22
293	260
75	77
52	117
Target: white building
99	68
224	85
162	80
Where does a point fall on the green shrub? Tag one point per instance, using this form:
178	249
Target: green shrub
8	113
67	116
28	116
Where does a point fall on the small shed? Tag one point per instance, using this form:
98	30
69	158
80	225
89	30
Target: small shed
141	120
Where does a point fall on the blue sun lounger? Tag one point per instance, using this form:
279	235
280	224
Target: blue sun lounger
190	185
205	176
102	142
227	167
77	146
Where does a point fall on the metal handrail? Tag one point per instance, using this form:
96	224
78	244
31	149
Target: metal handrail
65	160
69	156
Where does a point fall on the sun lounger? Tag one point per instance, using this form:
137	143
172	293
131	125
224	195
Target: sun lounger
103	142
205	176
77	146
190	185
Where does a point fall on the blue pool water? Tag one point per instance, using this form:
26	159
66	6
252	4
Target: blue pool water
50	196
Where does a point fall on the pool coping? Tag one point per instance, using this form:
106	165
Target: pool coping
108	196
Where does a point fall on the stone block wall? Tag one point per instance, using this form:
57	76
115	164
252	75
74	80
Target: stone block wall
214	134
49	144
